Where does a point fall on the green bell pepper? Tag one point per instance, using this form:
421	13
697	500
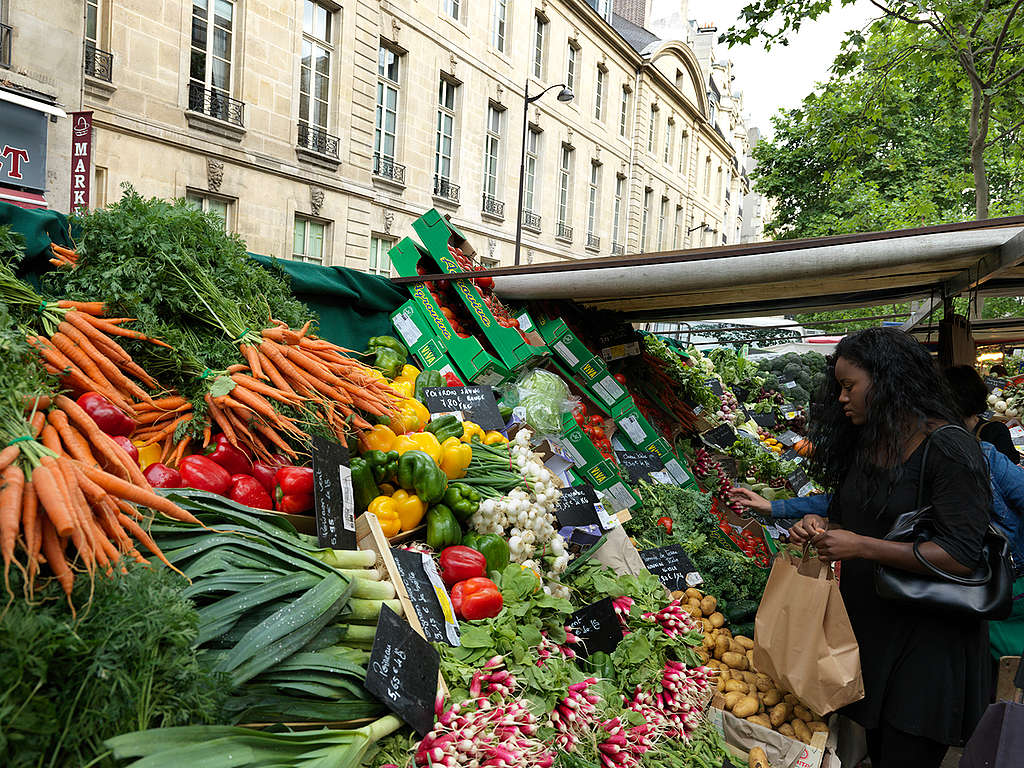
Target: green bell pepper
492	546
384	465
364	488
443	529
427	378
389	362
463	500
417	472
388	342
444	427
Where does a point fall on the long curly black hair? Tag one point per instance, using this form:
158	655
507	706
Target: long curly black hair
907	392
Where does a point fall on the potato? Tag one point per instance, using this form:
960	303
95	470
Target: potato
746	642
778	714
736	661
705	625
750	659
787	730
736	647
732	697
750	679
803	713
746	707
702	655
763	682
772	697
737	685
709	642
720	685
693	610
816	725
723	671
714	663
760	720
724	631
801	730
693	602
708	605
693	592
717	620
722	648
789	698
757	758
677	594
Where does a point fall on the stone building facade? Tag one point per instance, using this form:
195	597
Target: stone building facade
320	130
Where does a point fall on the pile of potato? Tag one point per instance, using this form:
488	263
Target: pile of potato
747	693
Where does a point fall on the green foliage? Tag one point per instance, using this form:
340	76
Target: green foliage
126	663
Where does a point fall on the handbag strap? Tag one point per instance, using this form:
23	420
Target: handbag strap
924	460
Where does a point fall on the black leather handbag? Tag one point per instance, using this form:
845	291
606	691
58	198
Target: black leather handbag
985	594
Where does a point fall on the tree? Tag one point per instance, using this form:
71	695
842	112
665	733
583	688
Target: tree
982	40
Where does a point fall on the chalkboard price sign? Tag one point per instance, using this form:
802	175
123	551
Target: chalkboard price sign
402	671
791	455
742	393
721	436
333	499
799	483
427	595
766	420
789	438
639	464
672	565
715	385
579	506
597	626
477	404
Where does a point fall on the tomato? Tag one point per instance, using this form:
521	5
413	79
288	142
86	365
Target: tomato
580	418
620	377
597	420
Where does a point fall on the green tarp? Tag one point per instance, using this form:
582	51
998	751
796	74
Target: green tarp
39	228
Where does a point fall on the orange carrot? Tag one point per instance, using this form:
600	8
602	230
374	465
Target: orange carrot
218	416
31	530
267	391
37	422
116	330
249	353
125	490
146	540
99	339
74	443
167	429
55	557
51	439
260	405
8	455
110	450
93	308
12	486
52	501
105	365
78	533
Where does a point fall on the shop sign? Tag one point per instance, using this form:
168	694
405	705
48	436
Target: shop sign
22	147
81	160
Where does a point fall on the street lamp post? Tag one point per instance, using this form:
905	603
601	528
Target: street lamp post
564	95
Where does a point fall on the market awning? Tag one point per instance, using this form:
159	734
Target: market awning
784	276
30	200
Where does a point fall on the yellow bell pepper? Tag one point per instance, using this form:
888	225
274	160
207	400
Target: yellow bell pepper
377	438
403	387
411	416
455	457
386	510
409	373
469	430
411	508
419	441
494	438
148	454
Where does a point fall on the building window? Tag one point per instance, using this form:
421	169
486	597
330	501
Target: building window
707	176
315	71
565	185
453	8
218	206
99	187
670	135
718	185
599	93
540	28
386	124
500	24
571	62
212	41
624	110
652	133
380	261
677	228
684	145
446	103
662	215
492	151
620	184
308	237
645	215
92	21
532	166
593	202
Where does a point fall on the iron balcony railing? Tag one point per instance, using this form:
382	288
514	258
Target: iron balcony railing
99	64
618	249
215	103
318	140
443	188
531	221
387	168
563	232
593	241
493	206
6	34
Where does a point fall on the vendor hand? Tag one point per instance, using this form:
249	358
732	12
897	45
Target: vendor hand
838	544
751	500
806	528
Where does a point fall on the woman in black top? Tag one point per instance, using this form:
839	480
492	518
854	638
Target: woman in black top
923	672
969	396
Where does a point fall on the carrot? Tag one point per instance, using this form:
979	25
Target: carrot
85	516
125	490
260	405
218	416
55	557
146	540
171	403
276	439
74	443
168	429
179	451
152	417
116	330
108	520
78	356
93	308
12	486
275	375
106	366
207	434
307	362
31	530
8	455
37	422
165	452
78	533
249	353
267	391
51	439
37	403
281	334
110	450
99	339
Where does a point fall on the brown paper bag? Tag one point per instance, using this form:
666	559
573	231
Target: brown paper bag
802	635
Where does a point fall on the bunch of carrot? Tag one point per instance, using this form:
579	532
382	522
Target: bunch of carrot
63	257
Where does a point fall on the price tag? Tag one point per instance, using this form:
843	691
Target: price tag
577	506
427	595
639	464
608	389
524	323
1017	433
631	426
789	384
621	499
715	385
742	393
565	353
789	438
333	499
721	436
406	328
597	626
807	490
672	566
791	455
797	480
766	420
402	671
477	404
676	471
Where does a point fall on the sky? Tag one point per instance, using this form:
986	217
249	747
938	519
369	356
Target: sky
780	78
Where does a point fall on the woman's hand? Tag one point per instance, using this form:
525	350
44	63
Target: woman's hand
751	500
806	528
838	544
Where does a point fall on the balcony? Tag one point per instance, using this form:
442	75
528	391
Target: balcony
618	249
212	110
563	232
99	64
531	221
593	242
493	207
318	140
445	190
386	168
6	34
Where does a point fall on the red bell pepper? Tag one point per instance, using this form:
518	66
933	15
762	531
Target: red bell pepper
476	598
264	471
161	476
201	473
295	504
459	563
246	489
128	446
108	417
452	380
222	452
666	523
293	489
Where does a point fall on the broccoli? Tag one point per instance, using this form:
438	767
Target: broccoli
804	380
798	395
791	371
771	381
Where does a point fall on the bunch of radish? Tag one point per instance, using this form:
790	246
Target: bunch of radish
574	715
673	619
